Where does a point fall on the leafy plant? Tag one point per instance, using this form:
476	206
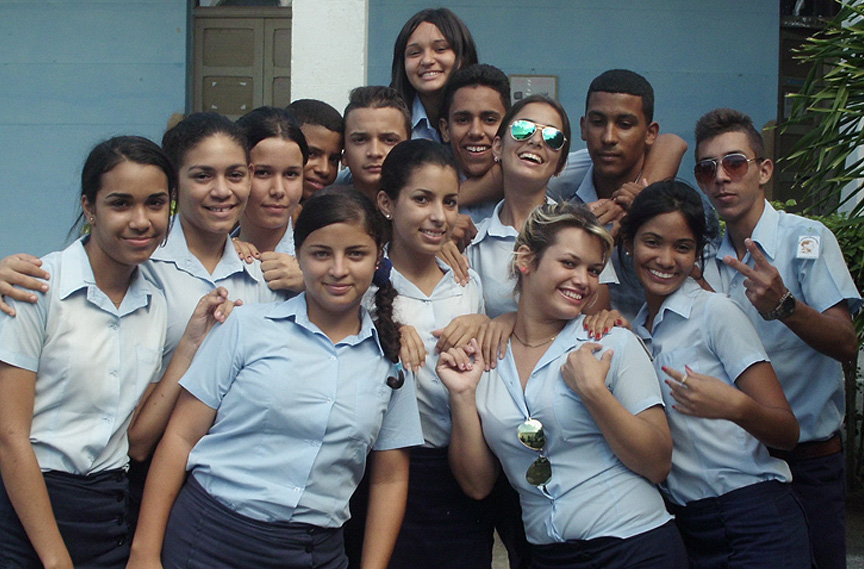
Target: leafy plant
831	105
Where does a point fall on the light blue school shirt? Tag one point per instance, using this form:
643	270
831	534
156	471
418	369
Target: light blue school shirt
420	125
576	179
812	381
285	245
296	416
184	281
427	313
709	333
591	493
491	254
93	361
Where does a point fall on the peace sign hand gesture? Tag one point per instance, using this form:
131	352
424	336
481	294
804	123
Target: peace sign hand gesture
763	283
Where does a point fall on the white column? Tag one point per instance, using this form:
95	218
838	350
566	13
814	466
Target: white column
329	49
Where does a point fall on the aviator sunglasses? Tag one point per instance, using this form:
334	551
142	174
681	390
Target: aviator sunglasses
523	129
530	433
735	165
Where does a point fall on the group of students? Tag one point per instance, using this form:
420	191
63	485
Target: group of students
639	418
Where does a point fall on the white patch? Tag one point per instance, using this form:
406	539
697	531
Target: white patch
808	247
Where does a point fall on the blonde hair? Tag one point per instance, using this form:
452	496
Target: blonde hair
543	225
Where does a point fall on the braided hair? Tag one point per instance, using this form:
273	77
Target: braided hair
347	205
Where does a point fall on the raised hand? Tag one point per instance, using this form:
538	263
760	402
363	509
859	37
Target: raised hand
281	271
583	372
413	352
245	250
763	283
454	258
26	272
460	368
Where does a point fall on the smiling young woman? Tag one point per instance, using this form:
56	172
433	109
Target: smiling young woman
75	364
567	418
431	45
279	413
723	400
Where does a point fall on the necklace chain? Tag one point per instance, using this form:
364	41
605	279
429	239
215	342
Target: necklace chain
537	345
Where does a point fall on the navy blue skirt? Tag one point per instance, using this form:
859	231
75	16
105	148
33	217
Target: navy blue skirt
202	533
660	548
761	526
443	528
91	514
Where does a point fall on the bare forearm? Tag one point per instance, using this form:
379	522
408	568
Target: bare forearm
153	413
487	188
164	481
388	494
26	489
473	464
831	332
775	427
664	158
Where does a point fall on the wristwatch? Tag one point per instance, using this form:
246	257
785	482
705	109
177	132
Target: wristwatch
784	309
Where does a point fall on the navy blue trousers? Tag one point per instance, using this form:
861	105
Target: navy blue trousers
660	548
443	527
91	514
761	526
820	486
202	533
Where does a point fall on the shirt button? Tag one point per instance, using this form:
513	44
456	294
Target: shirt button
115	326
332	358
114	373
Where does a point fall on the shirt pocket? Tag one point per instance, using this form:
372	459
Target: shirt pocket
147	367
573	418
371	399
676	359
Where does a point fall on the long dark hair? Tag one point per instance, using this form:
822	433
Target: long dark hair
662	197
454	31
347	205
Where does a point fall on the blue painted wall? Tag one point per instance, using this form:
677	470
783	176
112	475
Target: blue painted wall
72	73
698	54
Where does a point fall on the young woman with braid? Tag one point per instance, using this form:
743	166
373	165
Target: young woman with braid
279	412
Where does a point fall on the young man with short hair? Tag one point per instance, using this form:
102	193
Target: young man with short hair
376	120
322	125
788	275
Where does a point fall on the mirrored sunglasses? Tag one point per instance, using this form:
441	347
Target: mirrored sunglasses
523	129
735	165
530	433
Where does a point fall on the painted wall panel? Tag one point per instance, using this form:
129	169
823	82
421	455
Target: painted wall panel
698	54
73	73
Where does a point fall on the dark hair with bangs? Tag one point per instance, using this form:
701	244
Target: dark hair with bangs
454	31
